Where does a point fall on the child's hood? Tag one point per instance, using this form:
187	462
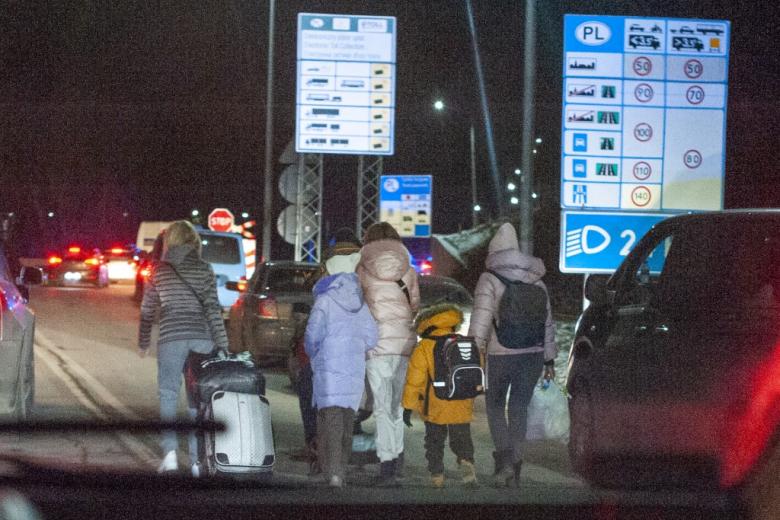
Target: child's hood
343	288
442	316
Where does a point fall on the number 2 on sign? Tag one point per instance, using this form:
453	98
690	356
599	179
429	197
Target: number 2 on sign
631	235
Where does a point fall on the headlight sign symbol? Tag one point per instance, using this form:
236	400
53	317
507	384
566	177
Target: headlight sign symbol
588	240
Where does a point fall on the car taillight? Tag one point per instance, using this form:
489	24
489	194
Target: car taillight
266	308
146	272
92	261
242	284
426	267
117	250
55	260
74	250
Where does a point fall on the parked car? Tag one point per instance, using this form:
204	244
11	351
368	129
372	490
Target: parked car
673	371
17	330
273	306
77	266
144	268
122	263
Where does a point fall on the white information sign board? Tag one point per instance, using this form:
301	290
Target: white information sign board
345	101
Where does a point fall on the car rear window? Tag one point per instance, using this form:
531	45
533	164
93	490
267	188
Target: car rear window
220	250
292	279
716	265
108	254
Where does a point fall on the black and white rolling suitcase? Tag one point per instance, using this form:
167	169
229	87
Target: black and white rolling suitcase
246	445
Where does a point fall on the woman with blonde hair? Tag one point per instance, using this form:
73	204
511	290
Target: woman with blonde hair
183	290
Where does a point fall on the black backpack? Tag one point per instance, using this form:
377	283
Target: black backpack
522	314
457	370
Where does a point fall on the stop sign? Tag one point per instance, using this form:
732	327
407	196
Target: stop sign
221	219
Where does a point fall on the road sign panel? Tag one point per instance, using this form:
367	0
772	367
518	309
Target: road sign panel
405	201
658	67
596	242
346	84
221	219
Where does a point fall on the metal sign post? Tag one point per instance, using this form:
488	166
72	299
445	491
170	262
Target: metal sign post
369	172
308	209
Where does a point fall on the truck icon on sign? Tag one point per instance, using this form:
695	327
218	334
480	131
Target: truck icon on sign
643	40
687	42
709	29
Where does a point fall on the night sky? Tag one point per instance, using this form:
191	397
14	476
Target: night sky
117	112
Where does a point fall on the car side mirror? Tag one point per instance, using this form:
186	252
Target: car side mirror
596	289
31	276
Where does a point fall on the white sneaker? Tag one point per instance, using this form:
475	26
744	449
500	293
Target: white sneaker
335	481
196	470
169	463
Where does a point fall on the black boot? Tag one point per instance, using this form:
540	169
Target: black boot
503	474
398	469
497	462
386	474
517	466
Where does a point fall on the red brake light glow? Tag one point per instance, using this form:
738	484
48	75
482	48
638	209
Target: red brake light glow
426	267
146	272
55	260
74	250
267	308
92	261
117	250
242	284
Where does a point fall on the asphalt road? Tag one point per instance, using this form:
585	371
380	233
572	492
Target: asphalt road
87	367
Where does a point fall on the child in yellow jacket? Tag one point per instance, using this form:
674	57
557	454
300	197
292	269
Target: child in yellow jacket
441	417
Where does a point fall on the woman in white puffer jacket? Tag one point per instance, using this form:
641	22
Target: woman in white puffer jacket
391	291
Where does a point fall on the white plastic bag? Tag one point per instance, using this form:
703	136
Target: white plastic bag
548	414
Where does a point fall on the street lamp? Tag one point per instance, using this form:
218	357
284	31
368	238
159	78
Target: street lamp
438	105
517	171
538	140
50	214
244	215
514	201
195	212
511	186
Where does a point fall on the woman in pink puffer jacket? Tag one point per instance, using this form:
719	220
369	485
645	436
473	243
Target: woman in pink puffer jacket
391	291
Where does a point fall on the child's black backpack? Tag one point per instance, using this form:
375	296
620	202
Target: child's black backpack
457	371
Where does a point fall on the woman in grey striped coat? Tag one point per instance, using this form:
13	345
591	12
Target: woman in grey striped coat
183	291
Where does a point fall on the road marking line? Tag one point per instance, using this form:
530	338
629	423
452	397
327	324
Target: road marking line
48	355
87	378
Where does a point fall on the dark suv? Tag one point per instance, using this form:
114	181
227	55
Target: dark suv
674	368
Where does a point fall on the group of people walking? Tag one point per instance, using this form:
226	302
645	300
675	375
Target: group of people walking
365	325
363	331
